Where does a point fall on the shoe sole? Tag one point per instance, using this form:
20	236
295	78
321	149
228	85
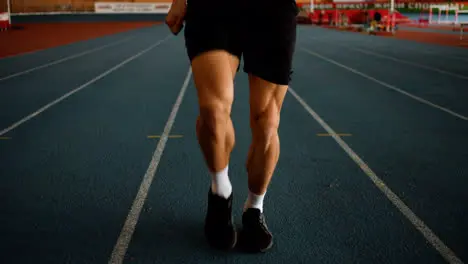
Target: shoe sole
245	248
267	248
227	248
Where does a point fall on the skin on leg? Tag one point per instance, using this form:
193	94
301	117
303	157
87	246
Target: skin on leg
213	74
266	100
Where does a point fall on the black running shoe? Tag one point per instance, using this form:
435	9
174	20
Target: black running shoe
255	236
219	229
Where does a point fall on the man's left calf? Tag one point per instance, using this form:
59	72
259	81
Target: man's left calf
263	155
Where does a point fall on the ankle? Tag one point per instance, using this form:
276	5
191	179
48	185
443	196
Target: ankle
220	183
254	201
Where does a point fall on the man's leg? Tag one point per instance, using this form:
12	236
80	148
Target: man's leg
213	73
215	60
266	99
268	61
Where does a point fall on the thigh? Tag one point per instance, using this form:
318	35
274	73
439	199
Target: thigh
213	74
266	100
208	30
269	44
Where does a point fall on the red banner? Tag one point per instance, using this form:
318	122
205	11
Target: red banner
406	4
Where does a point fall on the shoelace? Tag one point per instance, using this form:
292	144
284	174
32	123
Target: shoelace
263	224
260	225
221	212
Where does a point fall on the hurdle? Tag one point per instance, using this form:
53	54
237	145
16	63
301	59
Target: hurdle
4	21
462	24
5	17
443	7
391	18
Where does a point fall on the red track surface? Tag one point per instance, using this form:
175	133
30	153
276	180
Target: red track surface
37	36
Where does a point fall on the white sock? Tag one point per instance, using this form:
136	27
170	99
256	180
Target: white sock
254	201
220	183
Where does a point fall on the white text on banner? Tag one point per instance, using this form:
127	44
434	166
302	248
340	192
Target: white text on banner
138	8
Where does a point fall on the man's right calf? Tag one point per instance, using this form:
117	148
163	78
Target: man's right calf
213	74
215	133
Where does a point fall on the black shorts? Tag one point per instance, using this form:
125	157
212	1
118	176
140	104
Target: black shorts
263	32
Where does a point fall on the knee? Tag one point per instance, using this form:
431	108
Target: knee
213	119
265	126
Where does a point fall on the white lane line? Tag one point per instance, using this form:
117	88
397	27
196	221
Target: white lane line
388	57
409	63
389	86
362	39
432	238
441	53
120	248
58	100
66	59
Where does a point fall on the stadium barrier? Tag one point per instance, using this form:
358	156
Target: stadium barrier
86	6
127	7
47	11
329	11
